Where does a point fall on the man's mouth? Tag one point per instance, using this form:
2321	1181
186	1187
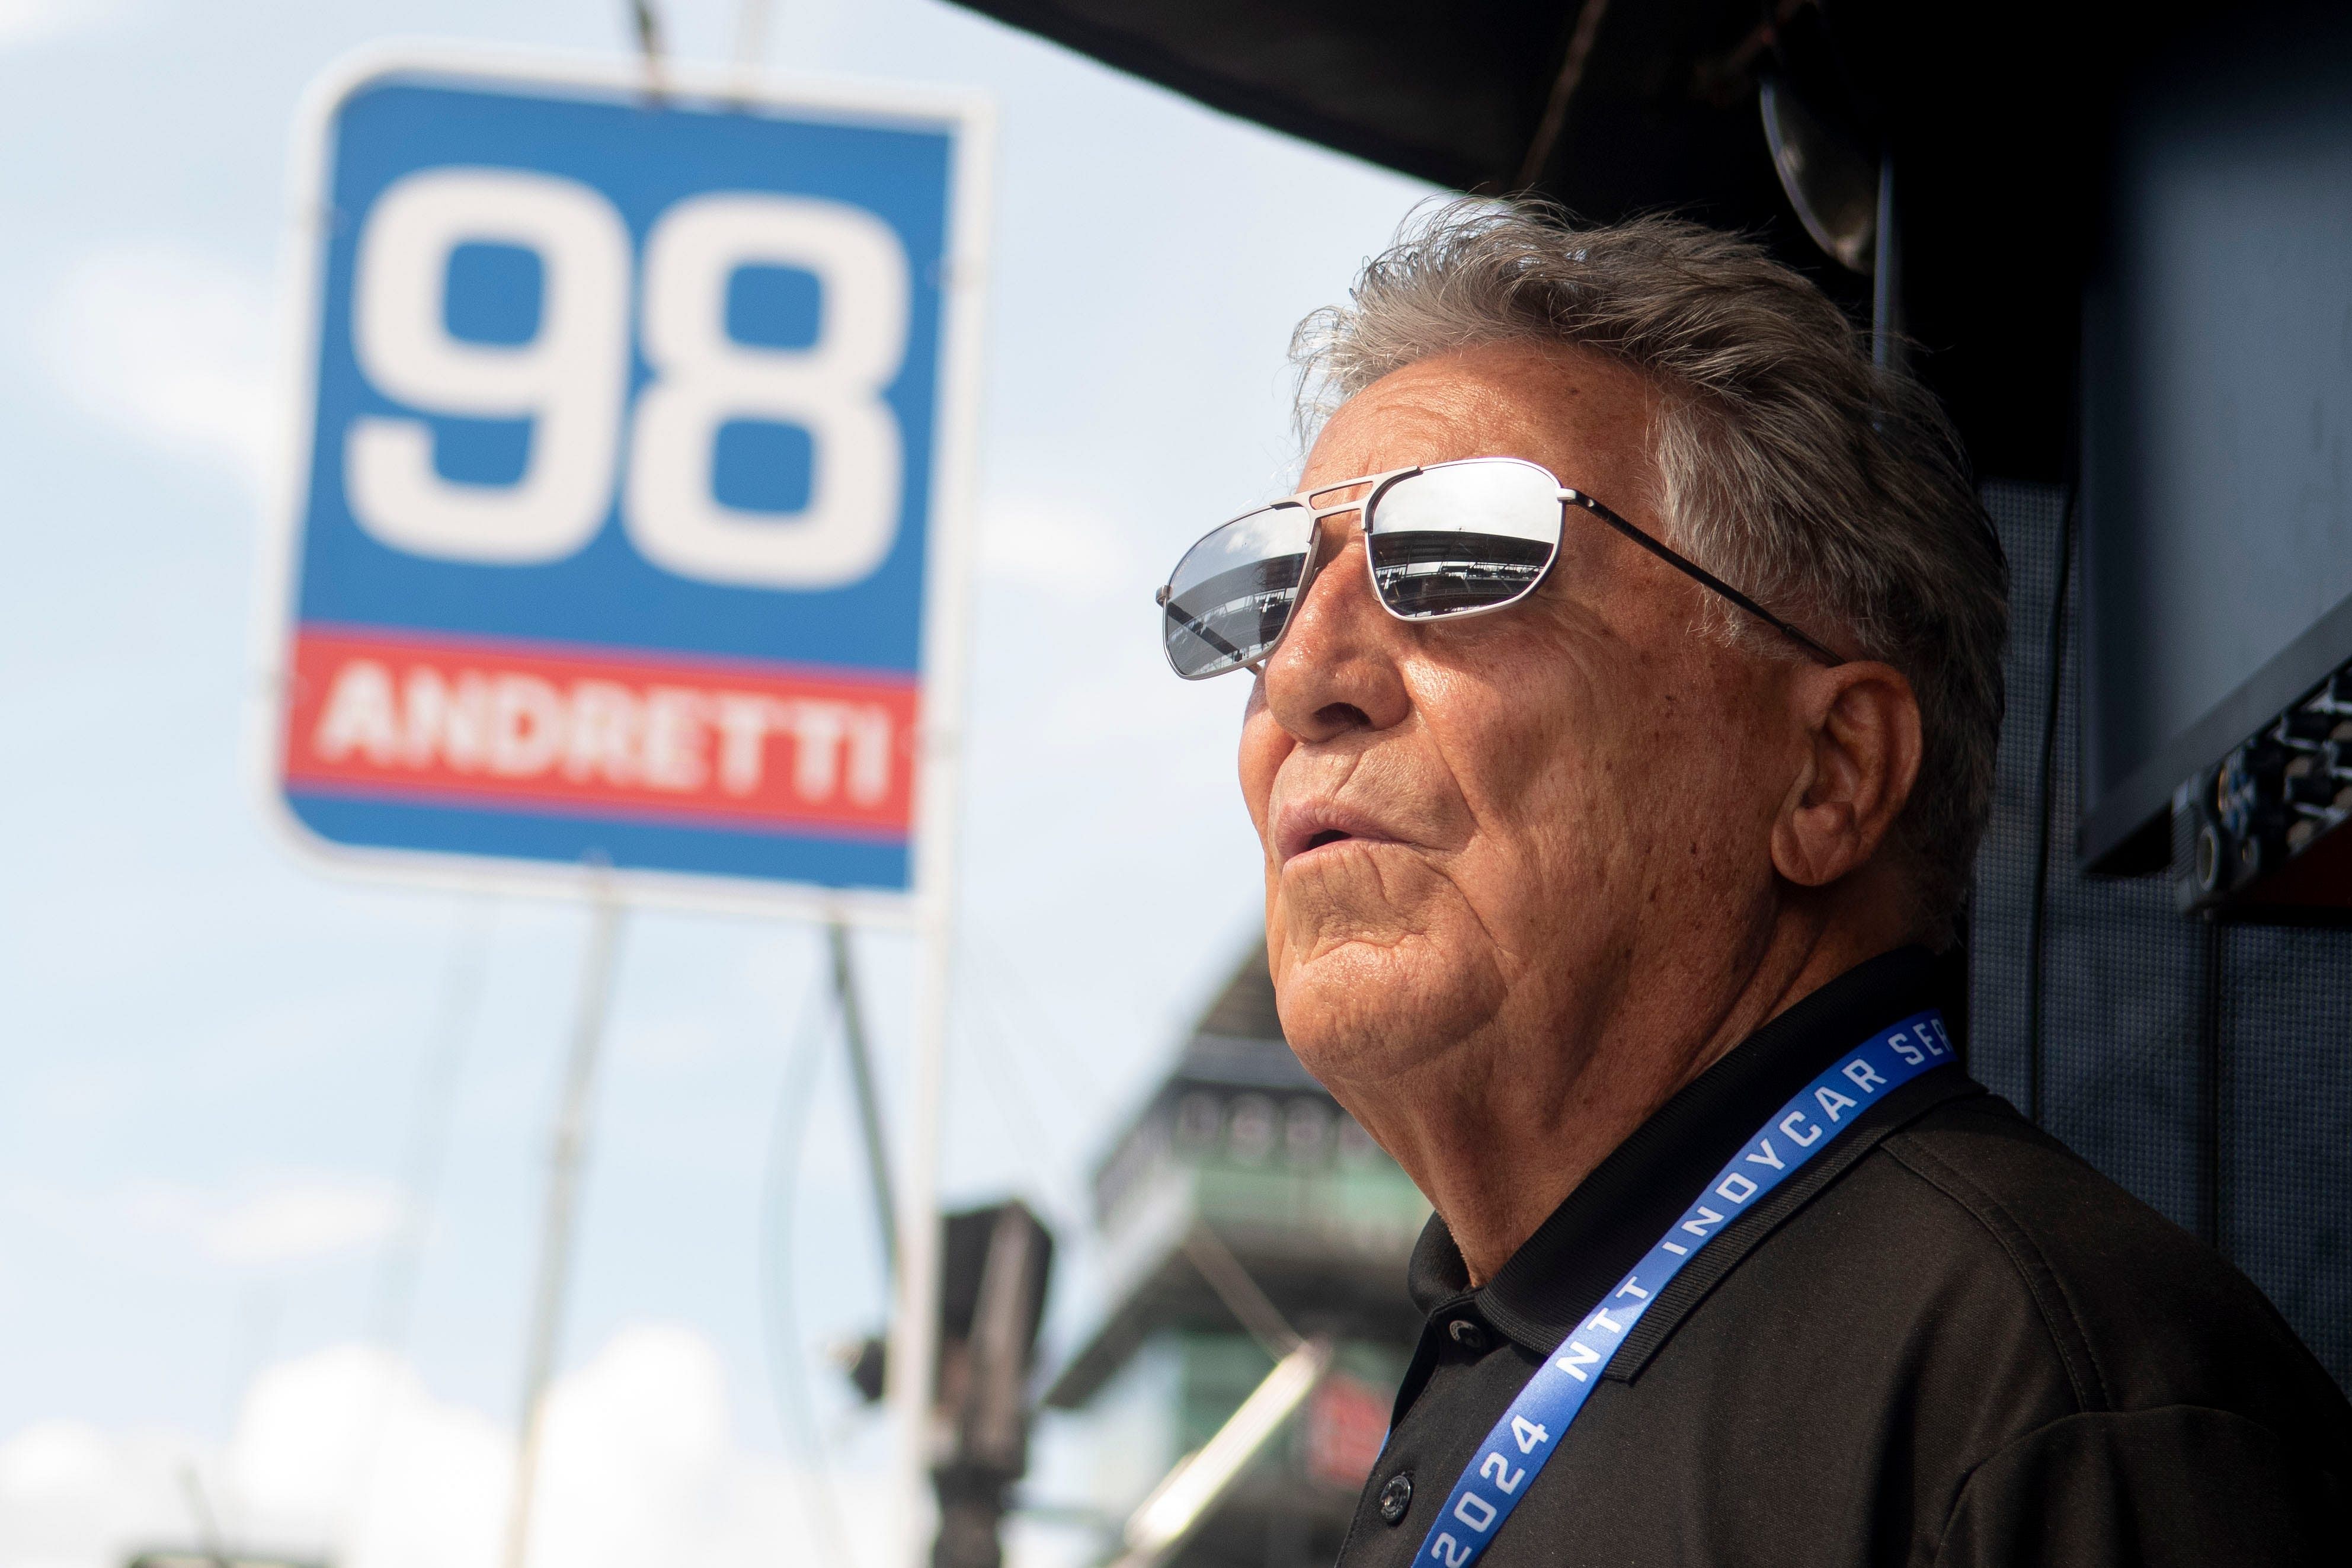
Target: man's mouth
1307	827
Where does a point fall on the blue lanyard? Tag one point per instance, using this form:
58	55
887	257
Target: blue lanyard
1530	1430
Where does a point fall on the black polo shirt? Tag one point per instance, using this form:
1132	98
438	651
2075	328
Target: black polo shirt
1945	1341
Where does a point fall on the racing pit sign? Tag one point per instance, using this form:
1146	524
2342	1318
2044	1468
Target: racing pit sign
627	531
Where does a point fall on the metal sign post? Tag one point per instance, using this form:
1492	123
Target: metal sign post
914	1322
627	555
568	1148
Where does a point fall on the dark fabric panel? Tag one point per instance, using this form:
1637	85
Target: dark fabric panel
2122	1080
2286	1021
2027	518
2213	1079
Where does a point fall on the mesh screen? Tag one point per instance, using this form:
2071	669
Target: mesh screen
2206	1071
2286	1133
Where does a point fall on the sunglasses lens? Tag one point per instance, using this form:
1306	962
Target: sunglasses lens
1229	598
1464	536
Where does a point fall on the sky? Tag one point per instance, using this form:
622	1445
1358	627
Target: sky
215	1257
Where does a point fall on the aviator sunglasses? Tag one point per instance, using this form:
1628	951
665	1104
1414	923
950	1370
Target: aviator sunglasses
1452	538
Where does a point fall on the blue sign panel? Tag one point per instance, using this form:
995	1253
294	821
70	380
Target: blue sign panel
620	537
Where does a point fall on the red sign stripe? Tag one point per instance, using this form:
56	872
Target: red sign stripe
597	733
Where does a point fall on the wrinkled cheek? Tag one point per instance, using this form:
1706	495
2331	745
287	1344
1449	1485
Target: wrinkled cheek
1591	866
1259	753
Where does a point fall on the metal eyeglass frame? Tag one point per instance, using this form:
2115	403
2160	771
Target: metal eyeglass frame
1380	483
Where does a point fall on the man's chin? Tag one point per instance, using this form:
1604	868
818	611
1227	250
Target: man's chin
1367	1006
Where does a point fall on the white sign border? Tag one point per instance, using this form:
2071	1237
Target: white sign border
970	116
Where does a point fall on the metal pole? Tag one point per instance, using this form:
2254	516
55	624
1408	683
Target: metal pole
645	21
208	1533
1886	274
751	44
1188	1495
1242	1295
429	1143
568	1148
914	1326
869	1103
428	1132
914	1332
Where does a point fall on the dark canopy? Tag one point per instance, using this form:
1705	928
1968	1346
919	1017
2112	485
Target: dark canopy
1457	92
1990	115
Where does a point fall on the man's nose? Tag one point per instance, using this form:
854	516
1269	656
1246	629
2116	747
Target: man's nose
1335	670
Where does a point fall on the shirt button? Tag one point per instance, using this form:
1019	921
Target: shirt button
1395	1498
1467	1334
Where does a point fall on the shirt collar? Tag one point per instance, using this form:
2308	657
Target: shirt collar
1619	1210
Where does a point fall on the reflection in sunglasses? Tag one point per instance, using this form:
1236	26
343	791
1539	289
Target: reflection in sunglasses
1429	572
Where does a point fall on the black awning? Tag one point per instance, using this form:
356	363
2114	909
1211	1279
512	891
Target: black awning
1994	117
1623	106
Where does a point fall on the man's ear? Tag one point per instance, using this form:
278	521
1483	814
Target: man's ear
1859	725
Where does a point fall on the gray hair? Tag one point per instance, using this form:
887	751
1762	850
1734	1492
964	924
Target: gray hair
1824	485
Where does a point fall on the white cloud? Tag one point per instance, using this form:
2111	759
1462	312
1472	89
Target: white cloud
31	21
345	1452
344	1455
177	347
287	1217
1066	551
63	1460
76	1496
301	1219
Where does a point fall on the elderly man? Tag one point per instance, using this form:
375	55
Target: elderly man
1627	685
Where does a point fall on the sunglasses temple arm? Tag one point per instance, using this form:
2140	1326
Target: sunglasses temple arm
1700	575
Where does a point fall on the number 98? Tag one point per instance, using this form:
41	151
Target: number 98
571	379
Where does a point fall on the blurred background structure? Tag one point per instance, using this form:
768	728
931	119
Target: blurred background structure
271	1149
1239	1214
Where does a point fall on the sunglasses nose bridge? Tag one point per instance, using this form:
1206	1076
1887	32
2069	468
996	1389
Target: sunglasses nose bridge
1336	529
1334	526
1330	531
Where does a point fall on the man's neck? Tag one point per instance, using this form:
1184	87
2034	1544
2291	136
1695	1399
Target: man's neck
1513	1119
